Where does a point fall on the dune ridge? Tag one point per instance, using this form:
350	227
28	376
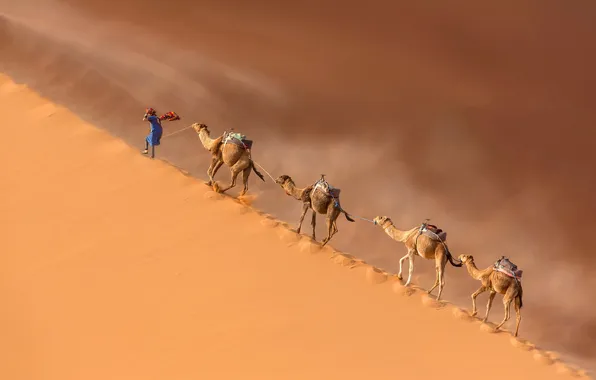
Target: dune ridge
106	274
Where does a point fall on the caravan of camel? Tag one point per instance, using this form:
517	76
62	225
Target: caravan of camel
426	240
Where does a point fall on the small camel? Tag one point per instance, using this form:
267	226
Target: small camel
503	278
426	241
321	198
233	152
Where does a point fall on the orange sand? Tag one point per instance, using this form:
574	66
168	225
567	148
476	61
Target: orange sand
98	284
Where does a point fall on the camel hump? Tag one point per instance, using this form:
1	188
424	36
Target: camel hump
214	149
504	265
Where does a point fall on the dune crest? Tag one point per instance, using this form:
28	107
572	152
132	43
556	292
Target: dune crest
118	266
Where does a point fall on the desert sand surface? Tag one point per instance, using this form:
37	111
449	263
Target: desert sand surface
478	115
115	266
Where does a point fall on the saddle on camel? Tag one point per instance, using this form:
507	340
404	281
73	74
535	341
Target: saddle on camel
237	139
432	231
504	265
327	189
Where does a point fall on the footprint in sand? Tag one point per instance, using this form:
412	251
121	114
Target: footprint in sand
522	344
212	195
375	275
309	246
402	290
462	314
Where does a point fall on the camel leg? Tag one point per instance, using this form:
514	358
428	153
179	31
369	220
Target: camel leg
489	304
218	164
332	214
474	295
411	258
305	207
313	223
440	261
401	263
441	276
235	171
245	175
517	305
329	230
214	161
507	306
429	291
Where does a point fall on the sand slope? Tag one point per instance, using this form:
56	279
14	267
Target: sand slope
115	266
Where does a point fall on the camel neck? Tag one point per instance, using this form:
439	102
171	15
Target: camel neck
395	233
205	139
473	270
292	190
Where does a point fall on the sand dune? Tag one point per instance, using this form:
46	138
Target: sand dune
115	266
485	113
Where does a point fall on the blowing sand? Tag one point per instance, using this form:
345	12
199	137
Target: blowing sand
115	266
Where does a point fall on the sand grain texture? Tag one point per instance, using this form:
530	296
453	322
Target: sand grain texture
115	266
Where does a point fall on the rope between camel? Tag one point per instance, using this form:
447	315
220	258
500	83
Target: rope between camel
365	219
265	170
178	131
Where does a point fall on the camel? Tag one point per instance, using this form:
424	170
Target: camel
321	198
426	241
234	152
503	278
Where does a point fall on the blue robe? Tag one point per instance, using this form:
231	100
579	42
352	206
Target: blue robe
154	137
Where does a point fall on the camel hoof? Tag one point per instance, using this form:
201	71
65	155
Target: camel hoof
216	187
473	314
399	277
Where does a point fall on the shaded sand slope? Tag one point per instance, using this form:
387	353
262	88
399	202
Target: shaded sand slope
114	266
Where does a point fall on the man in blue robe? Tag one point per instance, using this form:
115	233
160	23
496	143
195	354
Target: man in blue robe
154	136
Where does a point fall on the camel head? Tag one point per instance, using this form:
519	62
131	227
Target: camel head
466	258
283	179
198	127
382	220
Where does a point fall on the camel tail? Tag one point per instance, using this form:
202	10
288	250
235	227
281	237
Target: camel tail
452	260
256	171
348	217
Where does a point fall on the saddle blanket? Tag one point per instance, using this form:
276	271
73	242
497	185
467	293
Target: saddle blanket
504	265
435	234
238	139
326	188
